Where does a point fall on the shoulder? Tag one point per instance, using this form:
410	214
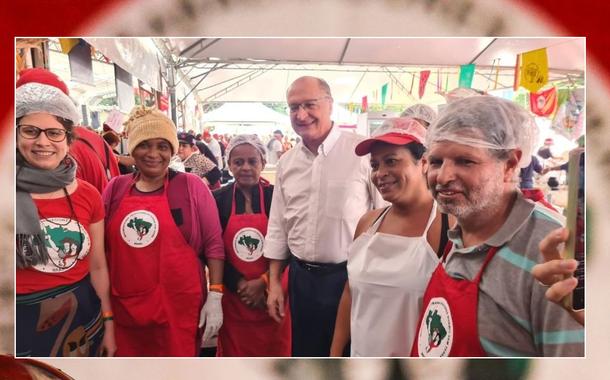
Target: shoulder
223	192
86	188
351	137
367	220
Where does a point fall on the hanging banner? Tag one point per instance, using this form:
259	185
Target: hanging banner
569	118
81	64
544	103
115	121
365	104
384	91
466	75
423	78
534	70
67	44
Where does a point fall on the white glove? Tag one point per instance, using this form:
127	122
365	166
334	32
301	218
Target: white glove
211	315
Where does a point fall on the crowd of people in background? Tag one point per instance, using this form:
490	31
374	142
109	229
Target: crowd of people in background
429	238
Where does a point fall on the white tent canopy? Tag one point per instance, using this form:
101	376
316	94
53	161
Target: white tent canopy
239	117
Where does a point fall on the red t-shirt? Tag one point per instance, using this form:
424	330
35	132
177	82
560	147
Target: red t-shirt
68	241
93	158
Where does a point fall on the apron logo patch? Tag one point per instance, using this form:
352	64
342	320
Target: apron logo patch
436	329
139	228
67	241
248	244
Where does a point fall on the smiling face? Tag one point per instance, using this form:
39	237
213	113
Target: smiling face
396	173
311	120
41	152
246	165
466	181
152	157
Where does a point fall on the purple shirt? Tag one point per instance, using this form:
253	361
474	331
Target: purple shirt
192	206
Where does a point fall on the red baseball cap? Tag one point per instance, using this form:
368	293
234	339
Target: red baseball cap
396	131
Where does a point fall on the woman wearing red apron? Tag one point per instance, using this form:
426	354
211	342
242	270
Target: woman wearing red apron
158	223
243	207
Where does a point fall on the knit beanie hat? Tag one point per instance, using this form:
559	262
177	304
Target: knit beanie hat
39	90
149	123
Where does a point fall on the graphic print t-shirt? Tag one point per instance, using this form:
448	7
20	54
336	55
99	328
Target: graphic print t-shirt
67	239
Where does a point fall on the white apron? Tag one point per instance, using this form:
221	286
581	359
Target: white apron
388	275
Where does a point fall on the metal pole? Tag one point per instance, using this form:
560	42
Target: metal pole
171	85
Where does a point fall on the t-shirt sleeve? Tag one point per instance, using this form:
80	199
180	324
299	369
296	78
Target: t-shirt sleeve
95	199
208	225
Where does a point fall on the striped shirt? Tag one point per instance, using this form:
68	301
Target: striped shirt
514	317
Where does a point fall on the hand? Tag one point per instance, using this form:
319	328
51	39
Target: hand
275	300
554	270
211	315
252	292
108	342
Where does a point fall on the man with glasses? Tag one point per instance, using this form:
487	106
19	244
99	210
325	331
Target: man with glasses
322	189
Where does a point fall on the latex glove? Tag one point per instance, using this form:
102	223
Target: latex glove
211	315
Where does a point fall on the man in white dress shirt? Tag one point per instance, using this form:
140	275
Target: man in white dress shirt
322	189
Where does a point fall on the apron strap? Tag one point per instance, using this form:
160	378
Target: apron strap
430	218
375	226
490	254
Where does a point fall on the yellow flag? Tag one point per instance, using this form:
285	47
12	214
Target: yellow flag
67	44
534	69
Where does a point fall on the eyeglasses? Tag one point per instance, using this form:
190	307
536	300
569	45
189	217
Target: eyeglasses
308	105
31	132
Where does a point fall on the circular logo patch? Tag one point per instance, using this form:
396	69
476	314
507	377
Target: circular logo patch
139	228
67	241
248	244
436	330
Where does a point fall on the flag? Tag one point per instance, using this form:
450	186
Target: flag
68	44
365	104
544	103
534	70
423	78
384	91
466	75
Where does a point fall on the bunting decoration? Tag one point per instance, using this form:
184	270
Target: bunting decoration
544	103
365	104
534	70
384	92
466	75
423	78
67	44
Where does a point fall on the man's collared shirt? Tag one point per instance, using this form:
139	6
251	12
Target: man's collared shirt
319	199
514	317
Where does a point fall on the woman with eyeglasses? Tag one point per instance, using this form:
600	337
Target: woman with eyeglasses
63	305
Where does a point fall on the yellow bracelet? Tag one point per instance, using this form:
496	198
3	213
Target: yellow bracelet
220	288
265	278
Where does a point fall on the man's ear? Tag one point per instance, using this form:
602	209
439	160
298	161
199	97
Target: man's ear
512	164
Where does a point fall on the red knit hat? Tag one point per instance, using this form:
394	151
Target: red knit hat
41	91
43	76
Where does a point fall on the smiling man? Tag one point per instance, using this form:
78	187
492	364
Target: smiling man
321	191
482	299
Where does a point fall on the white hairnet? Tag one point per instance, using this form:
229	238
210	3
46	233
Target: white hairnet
486	122
247	139
39	97
420	111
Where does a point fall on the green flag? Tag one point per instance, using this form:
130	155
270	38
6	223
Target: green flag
466	75
384	91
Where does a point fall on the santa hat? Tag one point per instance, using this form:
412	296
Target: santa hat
39	90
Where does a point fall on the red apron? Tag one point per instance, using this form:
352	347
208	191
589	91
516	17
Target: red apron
156	280
246	331
448	323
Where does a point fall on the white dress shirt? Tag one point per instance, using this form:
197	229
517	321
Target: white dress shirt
319	199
